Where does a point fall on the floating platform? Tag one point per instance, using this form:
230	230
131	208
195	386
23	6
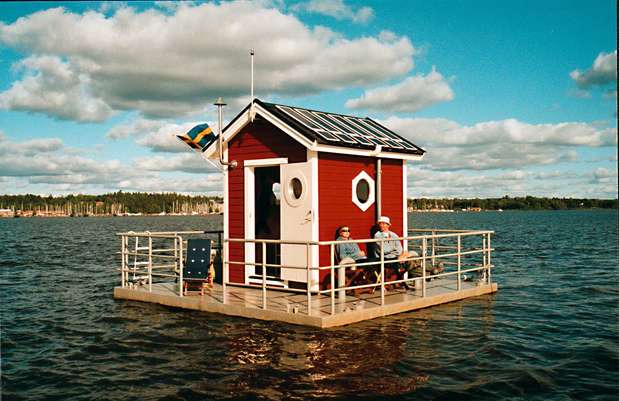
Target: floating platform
293	307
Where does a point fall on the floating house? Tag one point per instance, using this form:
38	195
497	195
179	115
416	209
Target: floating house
291	177
299	175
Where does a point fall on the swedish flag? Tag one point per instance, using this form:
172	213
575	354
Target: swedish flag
199	137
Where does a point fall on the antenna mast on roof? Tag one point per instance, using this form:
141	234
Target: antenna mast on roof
251	106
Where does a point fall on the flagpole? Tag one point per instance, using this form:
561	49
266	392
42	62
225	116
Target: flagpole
251	106
220	104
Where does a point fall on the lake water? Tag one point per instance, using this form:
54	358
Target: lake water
550	333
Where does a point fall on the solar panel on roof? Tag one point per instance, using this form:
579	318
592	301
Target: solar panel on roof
341	129
299	117
383	130
371	129
346	138
327	135
368	134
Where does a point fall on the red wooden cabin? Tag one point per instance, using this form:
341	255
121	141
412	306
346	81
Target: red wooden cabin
300	174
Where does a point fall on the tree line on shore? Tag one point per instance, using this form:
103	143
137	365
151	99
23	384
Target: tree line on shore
515	203
113	203
151	203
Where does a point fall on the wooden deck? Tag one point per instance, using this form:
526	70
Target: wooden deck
293	307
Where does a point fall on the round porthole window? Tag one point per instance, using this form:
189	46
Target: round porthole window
363	190
296	188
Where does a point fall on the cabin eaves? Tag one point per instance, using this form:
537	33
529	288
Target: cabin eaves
364	136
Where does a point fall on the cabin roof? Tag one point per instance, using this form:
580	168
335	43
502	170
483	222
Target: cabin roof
325	130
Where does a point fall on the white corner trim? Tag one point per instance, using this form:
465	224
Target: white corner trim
312	157
249	221
405	203
364	152
226	247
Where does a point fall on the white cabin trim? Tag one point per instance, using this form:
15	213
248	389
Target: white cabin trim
265	162
312	157
226	247
405	203
249	221
249	191
244	119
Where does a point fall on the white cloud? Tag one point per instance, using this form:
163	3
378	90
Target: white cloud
189	162
426	183
46	163
30	147
56	88
157	135
208	185
499	144
336	9
602	72
139	126
442	132
412	94
171	64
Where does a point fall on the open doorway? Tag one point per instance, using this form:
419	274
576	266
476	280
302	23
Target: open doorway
267	208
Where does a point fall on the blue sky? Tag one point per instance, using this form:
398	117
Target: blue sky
508	98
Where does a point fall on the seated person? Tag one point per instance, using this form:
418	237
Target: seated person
392	249
348	250
348	254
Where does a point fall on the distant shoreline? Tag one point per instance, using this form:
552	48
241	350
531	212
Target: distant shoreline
219	214
164	204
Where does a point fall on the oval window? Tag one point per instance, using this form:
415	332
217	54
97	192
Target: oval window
363	190
296	188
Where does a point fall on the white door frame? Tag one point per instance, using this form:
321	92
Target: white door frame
250	208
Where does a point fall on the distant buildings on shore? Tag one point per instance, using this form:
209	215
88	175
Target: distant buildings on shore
443	210
96	210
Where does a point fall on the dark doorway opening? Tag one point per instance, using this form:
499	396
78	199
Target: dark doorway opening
267	198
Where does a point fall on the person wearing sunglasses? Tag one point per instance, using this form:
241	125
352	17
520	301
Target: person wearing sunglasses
348	250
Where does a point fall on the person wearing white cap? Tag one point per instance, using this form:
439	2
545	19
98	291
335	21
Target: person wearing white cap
392	249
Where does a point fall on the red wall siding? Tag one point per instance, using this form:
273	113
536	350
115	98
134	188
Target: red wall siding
392	194
335	207
258	140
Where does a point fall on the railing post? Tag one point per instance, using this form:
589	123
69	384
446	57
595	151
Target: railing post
332	273
123	266
424	251
459	262
309	280
224	269
150	263
264	275
483	253
433	248
488	259
179	257
382	272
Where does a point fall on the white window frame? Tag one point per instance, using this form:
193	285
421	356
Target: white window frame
371	196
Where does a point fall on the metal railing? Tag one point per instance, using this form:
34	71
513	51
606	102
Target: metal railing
463	252
147	257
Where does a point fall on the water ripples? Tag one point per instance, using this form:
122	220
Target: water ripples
551	332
